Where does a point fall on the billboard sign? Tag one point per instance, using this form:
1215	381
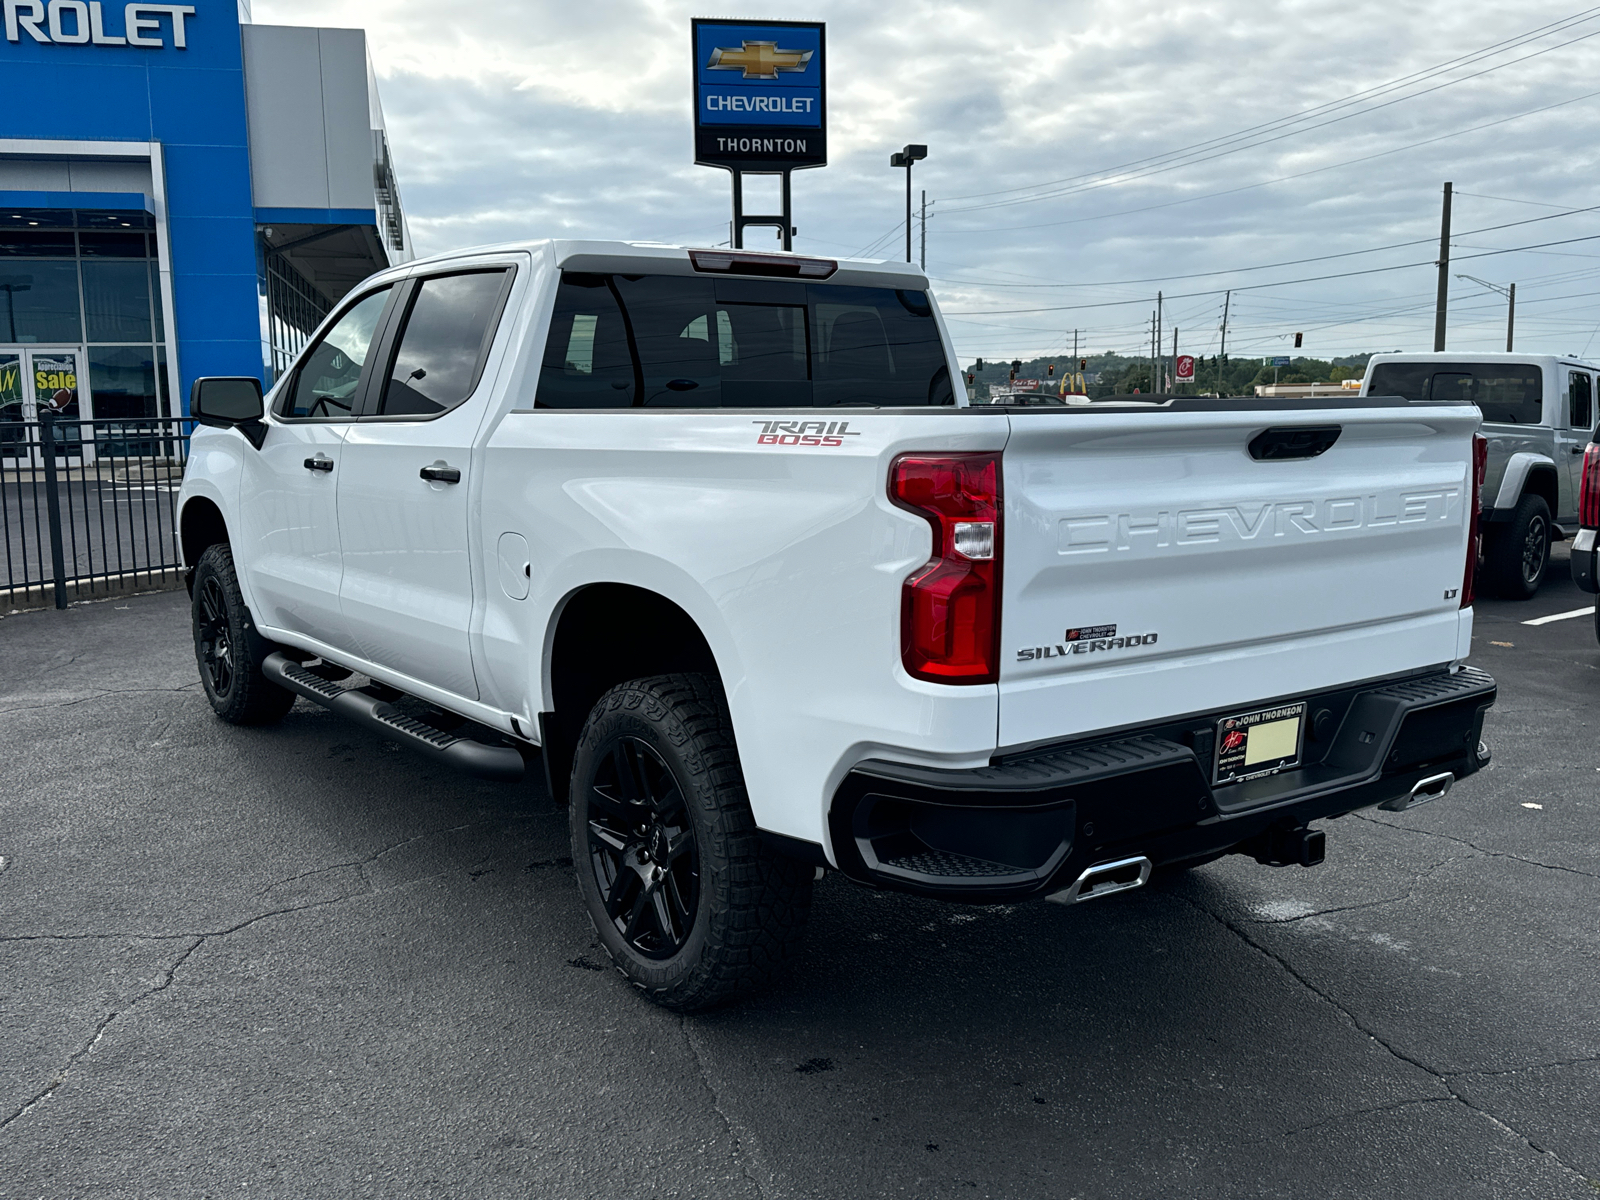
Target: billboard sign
760	94
1185	370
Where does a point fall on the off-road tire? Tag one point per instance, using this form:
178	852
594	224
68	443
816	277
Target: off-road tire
1518	553
227	648
750	904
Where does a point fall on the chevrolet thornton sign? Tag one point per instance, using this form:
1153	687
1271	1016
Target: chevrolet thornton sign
759	94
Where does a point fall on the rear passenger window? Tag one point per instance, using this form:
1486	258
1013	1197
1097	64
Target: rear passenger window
443	343
672	341
1580	401
325	382
1506	393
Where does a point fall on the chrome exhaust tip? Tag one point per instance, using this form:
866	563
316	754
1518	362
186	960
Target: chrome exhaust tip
1102	879
1421	792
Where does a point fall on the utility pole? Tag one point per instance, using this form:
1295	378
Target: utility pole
1174	358
924	229
1511	317
1152	379
1157	388
1444	272
1223	353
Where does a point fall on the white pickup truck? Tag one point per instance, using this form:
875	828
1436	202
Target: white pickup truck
712	535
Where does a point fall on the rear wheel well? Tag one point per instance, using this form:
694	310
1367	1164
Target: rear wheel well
199	527
1541	482
609	633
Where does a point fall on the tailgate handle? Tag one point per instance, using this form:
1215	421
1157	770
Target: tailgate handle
1297	441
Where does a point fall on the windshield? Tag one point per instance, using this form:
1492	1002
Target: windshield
1508	393
621	341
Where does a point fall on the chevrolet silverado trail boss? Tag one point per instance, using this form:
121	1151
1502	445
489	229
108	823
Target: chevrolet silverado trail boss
714	534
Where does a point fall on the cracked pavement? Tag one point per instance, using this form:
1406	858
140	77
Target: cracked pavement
298	961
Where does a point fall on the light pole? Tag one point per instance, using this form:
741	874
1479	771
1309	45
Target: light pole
11	285
904	158
1510	293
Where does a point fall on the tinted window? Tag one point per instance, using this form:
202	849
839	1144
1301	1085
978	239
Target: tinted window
1579	400
1508	393
116	301
39	302
324	385
697	342
442	344
587	363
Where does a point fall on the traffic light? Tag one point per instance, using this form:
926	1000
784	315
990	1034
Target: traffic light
1297	338
978	366
1050	371
970	378
1083	364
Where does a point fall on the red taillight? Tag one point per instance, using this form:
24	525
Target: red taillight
1589	489
1480	471
950	606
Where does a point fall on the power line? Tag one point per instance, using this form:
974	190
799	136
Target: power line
1332	105
1276	283
1244	142
1128	212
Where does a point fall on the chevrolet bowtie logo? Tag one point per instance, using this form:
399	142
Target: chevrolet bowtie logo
758	60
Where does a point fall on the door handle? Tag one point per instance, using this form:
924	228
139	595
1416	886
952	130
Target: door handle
439	473
1578	449
320	463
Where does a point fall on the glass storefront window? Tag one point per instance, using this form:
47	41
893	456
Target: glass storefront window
87	279
122	380
39	302
116	301
155	296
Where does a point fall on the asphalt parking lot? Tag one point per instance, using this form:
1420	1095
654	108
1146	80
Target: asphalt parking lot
298	962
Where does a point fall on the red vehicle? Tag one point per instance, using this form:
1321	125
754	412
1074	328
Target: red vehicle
1583	544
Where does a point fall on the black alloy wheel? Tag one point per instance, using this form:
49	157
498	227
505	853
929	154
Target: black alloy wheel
1535	551
642	850
227	649
691	904
1516	553
213	639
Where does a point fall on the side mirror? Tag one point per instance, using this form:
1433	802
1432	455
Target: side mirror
229	402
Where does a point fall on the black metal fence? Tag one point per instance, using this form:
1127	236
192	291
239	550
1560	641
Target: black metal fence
90	507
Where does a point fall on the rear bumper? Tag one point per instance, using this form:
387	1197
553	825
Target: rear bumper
1029	824
1583	560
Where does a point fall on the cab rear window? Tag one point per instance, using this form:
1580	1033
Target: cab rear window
672	341
1508	393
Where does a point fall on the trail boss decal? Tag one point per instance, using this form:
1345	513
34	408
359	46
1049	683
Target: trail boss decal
1087	639
804	433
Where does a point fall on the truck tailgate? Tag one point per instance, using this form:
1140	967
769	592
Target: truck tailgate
1153	567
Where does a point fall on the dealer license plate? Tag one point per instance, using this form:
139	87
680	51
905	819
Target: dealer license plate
1259	743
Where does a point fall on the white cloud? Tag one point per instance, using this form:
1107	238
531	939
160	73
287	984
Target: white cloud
524	120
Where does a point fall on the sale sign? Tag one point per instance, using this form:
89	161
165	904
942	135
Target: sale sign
1185	372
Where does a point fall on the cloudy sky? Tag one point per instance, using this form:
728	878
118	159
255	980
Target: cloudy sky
1083	155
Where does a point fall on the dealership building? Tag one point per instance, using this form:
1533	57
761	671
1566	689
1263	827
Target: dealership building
182	193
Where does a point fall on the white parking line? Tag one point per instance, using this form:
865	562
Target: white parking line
1577	612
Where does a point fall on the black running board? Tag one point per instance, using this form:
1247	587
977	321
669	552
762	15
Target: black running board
475	758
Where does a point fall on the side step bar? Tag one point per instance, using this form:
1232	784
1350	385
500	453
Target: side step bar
475	758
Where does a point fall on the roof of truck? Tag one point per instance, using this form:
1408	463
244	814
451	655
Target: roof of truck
602	256
1483	356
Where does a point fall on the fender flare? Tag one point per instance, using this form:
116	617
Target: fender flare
1519	467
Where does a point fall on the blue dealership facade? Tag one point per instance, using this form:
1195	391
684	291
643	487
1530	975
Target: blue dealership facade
182	193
